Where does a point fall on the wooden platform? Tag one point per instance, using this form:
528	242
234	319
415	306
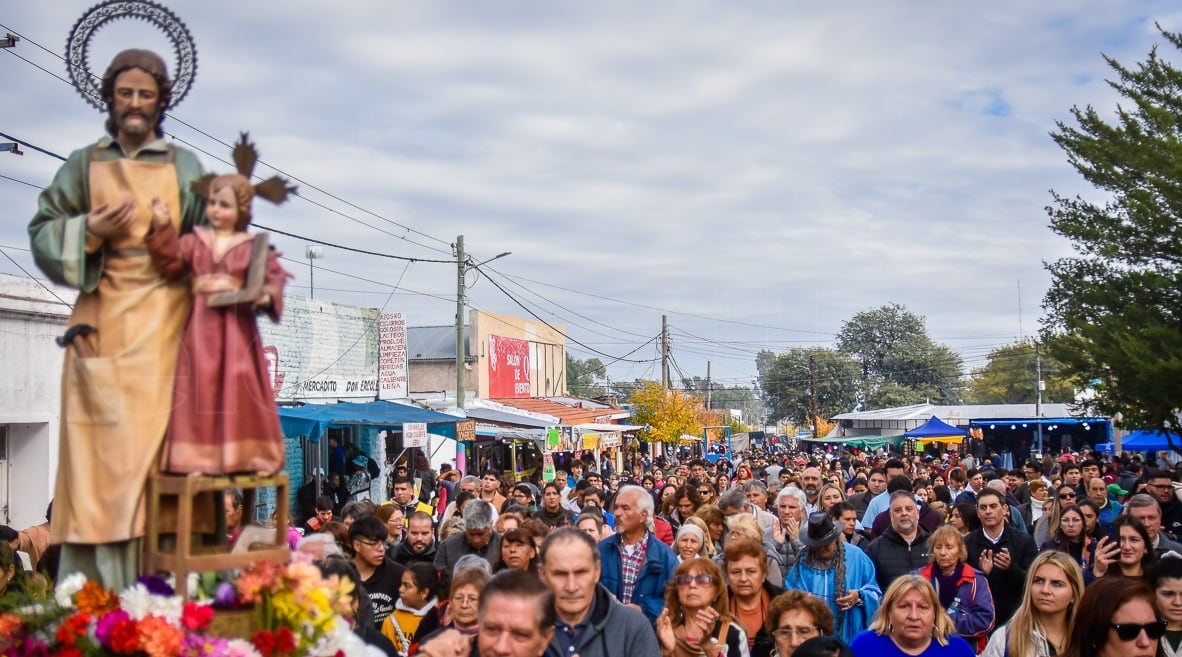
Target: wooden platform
188	558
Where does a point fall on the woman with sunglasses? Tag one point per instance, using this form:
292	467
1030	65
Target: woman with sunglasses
795	617
1071	538
1043	621
707	494
697	617
1117	617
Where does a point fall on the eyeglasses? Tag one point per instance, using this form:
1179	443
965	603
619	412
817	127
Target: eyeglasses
1067	496
700	580
373	544
706	491
465	600
1130	631
803	632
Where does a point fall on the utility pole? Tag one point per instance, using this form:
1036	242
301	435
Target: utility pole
461	264
1038	386
664	352
813	390
708	386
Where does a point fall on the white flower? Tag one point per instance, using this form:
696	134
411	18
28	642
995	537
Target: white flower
340	638
67	587
136	601
241	648
167	607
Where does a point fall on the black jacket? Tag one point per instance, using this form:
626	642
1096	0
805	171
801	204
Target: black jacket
1007	585
893	556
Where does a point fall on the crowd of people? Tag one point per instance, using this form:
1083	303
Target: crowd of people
830	555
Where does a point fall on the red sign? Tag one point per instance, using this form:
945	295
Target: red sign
508	367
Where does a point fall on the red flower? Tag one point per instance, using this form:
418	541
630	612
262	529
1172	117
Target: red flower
125	638
264	641
196	616
69	651
72	628
284	641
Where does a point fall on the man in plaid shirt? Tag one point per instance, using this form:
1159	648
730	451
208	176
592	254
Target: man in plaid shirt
636	566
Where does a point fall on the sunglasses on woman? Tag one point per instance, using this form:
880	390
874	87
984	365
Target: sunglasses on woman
700	580
1130	631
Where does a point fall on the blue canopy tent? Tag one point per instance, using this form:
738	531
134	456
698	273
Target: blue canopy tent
1142	441
936	430
313	420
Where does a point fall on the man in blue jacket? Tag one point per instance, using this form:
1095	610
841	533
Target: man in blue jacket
636	565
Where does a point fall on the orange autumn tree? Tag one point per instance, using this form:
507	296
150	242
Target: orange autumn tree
666	414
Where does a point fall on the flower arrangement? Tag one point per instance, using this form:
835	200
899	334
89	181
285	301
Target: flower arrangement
295	612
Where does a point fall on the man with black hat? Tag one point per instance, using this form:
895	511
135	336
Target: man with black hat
839	574
88	233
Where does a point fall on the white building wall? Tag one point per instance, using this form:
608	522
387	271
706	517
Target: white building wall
30	394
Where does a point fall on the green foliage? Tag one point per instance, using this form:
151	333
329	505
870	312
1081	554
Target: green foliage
900	363
733	398
1010	374
1113	308
585	378
786	384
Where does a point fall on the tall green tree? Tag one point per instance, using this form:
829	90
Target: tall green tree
1010	375
585	378
900	363
1114	308
737	398
786	384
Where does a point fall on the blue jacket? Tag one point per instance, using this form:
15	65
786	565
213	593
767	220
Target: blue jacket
658	567
972	611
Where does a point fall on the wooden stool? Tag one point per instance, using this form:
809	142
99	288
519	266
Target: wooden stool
186	559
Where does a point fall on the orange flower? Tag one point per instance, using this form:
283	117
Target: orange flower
93	599
159	638
9	623
72	628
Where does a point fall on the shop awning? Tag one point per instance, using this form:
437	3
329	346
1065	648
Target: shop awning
313	420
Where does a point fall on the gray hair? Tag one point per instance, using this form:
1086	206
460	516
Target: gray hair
326	541
471	561
478	515
470	479
1141	500
644	501
734	498
755	485
792	491
997	485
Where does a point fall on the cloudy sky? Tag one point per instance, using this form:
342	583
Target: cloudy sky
756	171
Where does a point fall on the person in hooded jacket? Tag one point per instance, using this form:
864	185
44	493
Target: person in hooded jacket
963	590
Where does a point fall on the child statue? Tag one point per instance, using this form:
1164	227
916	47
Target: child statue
224	419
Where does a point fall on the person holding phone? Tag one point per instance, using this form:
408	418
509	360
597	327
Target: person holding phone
1002	553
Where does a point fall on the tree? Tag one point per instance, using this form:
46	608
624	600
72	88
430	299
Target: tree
1113	308
736	398
1010	374
667	414
585	378
900	363
786	384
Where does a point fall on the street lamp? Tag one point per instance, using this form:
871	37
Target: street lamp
312	252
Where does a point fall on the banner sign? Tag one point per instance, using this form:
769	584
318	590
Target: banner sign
393	377
414	434
547	467
508	368
553	440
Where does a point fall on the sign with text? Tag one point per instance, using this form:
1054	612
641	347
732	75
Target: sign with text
414	434
466	430
322	350
508	367
548	472
393	377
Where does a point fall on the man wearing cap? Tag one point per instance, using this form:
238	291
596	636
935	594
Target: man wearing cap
839	574
117	384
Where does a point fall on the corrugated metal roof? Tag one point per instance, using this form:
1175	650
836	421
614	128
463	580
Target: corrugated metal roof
566	414
432	342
